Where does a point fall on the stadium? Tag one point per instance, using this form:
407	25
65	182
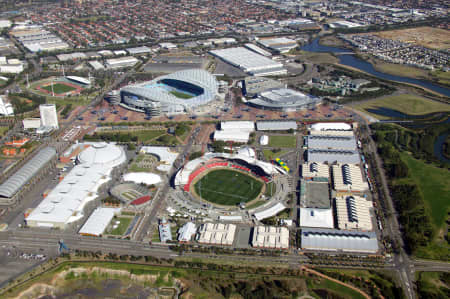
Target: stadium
226	179
179	92
61	86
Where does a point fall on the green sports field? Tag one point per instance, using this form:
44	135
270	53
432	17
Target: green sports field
181	95
228	187
58	88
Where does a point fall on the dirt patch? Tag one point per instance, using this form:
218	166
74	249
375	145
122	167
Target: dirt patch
433	38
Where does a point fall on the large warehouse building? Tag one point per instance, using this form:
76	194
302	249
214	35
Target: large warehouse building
283	99
178	92
339	240
66	202
331	156
348	178
250	62
216	234
353	212
270	237
335	142
27	172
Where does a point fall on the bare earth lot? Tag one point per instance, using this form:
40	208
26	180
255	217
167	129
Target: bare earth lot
433	38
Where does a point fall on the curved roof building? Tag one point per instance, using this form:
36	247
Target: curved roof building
12	185
178	92
283	99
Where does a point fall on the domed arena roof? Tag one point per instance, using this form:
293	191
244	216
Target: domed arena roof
102	153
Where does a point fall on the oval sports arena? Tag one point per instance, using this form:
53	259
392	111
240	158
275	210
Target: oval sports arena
179	92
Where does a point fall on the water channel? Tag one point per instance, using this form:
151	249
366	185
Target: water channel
357	63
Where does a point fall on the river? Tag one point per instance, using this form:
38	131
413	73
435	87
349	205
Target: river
357	63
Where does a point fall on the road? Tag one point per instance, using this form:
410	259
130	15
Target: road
152	210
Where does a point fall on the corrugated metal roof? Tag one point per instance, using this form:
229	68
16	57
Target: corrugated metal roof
333	155
26	172
336	142
98	221
332	239
275	125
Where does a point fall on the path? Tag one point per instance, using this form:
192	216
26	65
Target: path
335	280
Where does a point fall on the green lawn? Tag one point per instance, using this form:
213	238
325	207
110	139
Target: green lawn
3	130
443	77
282	141
58	88
434	185
433	284
147	135
122	227
340	290
270	189
271	155
407	103
181	95
256	204
228	187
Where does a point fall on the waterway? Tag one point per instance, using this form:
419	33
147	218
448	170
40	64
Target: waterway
357	63
438	148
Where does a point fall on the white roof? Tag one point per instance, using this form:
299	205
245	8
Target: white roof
98	221
330	126
232	135
238	125
348	177
247	151
353	212
147	178
321	218
165	155
270	237
264	140
272	211
186	231
79	79
315	170
230	218
65	203
246	59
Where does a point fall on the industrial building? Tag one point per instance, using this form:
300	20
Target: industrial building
49	116
186	232
331	156
236	131
250	62
165	232
10	66
25	174
6	108
338	240
257	49
139	50
353	212
37	39
117	63
179	92
318	218
330	126
278	44
270	237
252	86
65	203
31	123
314	171
264	140
283	99
331	142
98	221
315	194
276	125
348	178
216	234
339	133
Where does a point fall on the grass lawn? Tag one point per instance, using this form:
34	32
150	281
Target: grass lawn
271	155
181	95
3	130
58	88
340	290
399	69
314	57
122	227
258	203
433	183
270	189
228	187
443	77
282	141
147	135
407	103
433	284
